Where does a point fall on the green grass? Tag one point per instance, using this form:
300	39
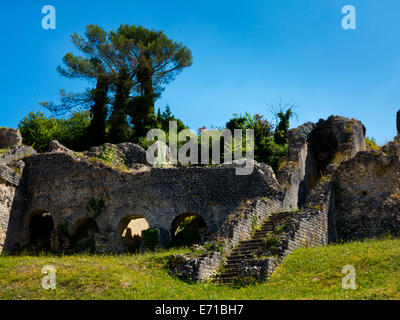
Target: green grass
313	273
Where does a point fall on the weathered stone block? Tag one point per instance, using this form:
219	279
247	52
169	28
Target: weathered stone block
10	138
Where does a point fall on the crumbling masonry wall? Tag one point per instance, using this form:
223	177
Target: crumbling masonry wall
64	184
7	194
315	224
11	167
367	191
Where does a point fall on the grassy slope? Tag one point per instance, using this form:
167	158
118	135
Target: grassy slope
313	273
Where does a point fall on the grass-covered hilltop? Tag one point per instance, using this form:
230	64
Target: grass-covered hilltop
310	273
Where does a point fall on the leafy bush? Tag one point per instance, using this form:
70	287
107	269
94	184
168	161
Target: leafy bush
282	228
75	134
108	155
371	144
38	130
150	237
96	206
270	146
272	245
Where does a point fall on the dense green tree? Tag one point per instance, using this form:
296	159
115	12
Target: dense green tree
133	62
270	145
281	131
99	113
165	117
236	123
74	131
119	130
155	61
99	64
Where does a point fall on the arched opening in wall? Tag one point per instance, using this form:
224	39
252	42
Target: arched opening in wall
41	226
186	229
84	233
324	147
130	232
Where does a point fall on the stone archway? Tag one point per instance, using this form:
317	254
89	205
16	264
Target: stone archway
187	229
40	226
83	235
129	233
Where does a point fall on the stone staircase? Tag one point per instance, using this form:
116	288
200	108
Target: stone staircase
252	258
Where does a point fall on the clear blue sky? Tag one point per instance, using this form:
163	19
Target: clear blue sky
247	54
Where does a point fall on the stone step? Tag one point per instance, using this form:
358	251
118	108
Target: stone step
238	261
228	275
249	247
244	255
259	240
235	268
246	250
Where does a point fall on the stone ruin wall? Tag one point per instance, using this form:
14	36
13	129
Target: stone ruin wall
314	224
368	196
307	227
7	193
63	184
11	167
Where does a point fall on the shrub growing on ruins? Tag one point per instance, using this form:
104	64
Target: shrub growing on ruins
371	144
272	245
150	237
270	145
96	206
38	130
282	228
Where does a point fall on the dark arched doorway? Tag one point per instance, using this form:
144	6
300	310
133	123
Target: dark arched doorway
186	229
41	226
84	233
130	232
324	147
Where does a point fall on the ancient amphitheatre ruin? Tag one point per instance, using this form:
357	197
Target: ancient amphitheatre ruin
329	189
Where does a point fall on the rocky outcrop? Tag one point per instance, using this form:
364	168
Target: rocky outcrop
298	137
10	138
367	192
123	154
314	147
57	147
336	136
